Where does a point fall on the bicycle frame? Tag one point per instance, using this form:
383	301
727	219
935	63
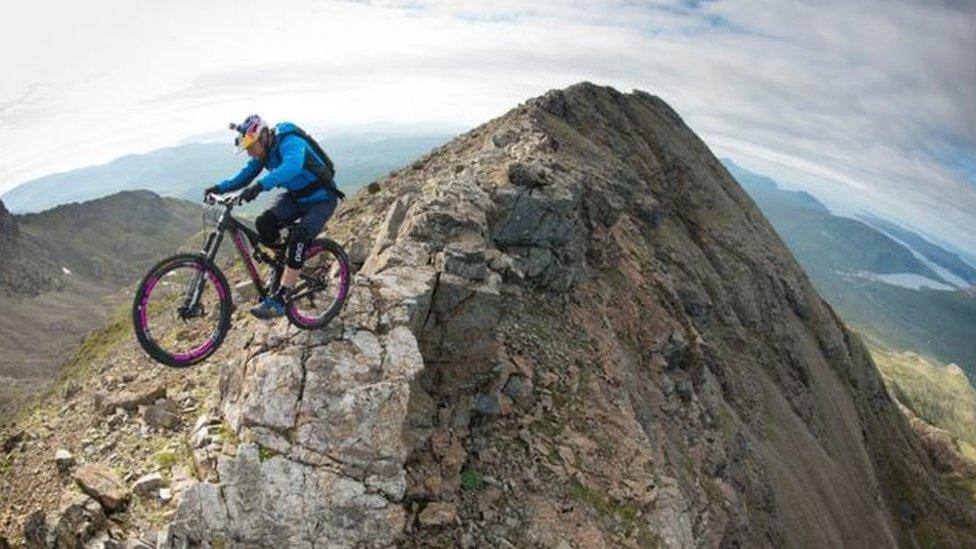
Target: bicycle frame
238	231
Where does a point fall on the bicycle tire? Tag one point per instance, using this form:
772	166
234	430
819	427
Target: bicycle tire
140	302
305	322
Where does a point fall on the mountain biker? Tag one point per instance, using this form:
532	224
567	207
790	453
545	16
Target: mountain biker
311	195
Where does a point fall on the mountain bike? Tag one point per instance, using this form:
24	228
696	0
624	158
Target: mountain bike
182	309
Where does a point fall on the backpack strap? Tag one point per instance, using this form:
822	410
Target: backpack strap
325	174
313	187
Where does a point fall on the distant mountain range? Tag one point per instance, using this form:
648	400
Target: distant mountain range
183	171
100	227
61	272
892	284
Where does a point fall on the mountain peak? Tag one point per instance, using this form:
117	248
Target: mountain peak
583	272
568	322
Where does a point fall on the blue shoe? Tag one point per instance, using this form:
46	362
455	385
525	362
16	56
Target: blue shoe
268	309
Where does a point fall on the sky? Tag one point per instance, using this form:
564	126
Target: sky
868	105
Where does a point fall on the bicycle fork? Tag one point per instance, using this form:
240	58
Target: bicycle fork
191	301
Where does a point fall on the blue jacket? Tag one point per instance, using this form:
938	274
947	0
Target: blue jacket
286	164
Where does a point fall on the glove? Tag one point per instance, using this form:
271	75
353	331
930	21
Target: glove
211	190
251	192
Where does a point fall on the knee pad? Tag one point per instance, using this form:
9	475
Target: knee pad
297	240
268	227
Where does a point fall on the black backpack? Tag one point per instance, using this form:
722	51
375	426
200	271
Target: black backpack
326	173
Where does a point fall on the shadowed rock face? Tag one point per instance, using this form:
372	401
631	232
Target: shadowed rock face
25	266
569	324
8	225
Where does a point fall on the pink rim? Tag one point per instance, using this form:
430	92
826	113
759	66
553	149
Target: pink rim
310	320
197	352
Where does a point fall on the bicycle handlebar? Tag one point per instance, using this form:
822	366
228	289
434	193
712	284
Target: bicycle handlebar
228	199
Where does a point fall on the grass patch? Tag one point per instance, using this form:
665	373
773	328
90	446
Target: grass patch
96	346
961	487
648	539
604	506
166	460
942	395
550	428
471	479
227	433
725	420
626	515
265	453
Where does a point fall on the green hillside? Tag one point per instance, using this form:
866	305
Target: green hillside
818	237
940	394
836	252
941	257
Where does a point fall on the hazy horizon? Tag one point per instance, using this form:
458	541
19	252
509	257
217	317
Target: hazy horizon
868	105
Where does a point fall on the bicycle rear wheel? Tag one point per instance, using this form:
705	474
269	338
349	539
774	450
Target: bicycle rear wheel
170	334
323	286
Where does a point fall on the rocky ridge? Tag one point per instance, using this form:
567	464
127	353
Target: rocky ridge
749	414
25	267
568	327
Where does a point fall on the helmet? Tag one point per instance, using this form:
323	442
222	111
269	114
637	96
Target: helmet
248	131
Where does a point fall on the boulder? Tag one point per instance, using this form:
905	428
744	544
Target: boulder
148	485
279	502
101	483
11	442
519	388
78	519
36	530
437	513
64	460
131	400
163	414
529	174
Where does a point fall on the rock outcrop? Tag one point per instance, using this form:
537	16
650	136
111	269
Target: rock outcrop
101	483
8	226
569	315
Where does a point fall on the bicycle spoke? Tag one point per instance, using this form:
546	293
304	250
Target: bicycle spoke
321	290
182	333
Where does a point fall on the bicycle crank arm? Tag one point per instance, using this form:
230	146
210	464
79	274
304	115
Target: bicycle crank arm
304	292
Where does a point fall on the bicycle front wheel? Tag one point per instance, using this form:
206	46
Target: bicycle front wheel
168	330
323	286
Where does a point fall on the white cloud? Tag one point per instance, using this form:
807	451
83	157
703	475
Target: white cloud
868	104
